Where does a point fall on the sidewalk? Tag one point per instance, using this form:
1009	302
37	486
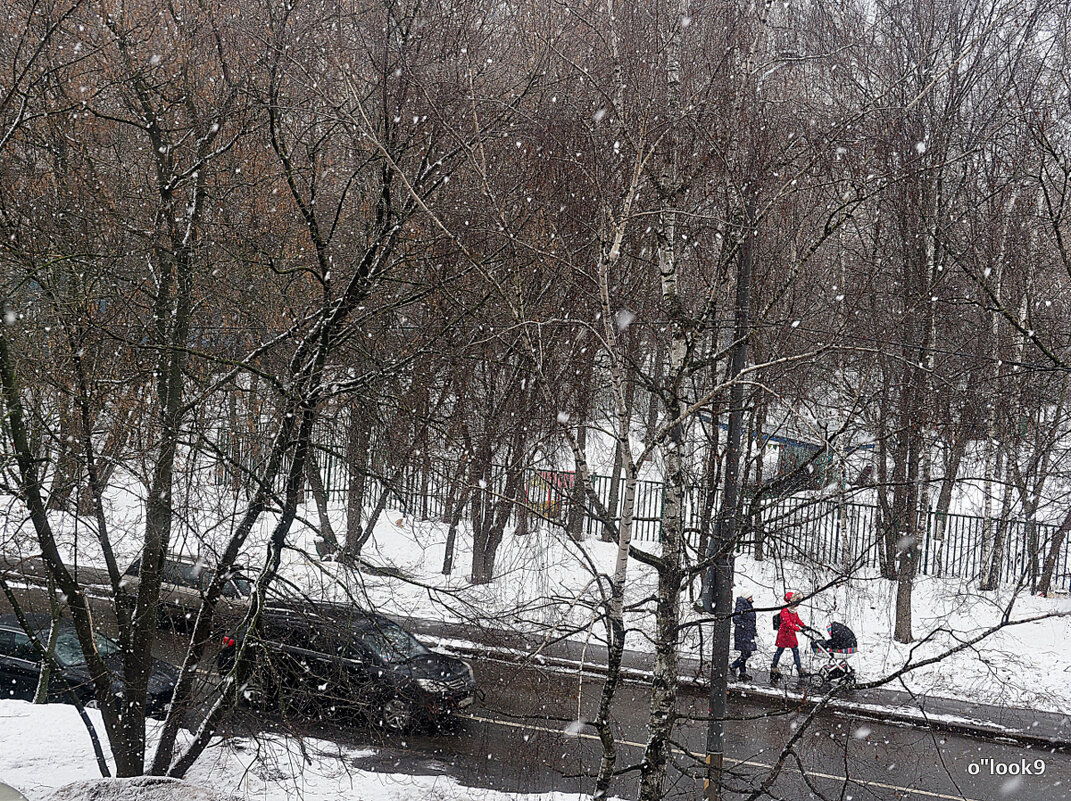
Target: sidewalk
1025	726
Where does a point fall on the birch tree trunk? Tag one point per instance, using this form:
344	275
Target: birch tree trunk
663	712
40	695
993	450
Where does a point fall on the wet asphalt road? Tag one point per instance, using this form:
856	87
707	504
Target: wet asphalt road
523	736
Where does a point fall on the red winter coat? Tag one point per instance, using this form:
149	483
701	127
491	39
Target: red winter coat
790	624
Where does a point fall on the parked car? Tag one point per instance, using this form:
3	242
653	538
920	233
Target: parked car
341	659
20	666
182	588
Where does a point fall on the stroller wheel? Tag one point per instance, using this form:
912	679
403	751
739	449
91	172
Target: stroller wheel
817	679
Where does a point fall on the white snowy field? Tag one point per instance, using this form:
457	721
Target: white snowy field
44	747
543	581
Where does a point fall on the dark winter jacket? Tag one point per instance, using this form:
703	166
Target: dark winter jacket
744	633
790	624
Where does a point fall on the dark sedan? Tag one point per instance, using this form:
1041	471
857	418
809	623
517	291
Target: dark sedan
339	659
20	666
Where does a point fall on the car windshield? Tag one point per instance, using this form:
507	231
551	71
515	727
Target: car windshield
196	576
392	643
69	651
237	587
186	574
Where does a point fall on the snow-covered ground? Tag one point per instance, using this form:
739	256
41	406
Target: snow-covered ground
544	580
1026	665
271	768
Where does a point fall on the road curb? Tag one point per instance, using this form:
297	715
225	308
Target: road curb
954	724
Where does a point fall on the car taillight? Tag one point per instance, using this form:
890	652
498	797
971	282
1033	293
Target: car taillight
228	642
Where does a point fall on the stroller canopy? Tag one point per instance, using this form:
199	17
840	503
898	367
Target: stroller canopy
841	639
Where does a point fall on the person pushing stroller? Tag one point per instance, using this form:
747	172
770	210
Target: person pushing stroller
789	623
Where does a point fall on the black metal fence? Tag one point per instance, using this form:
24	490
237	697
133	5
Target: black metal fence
831	531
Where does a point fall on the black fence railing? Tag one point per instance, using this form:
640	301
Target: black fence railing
835	532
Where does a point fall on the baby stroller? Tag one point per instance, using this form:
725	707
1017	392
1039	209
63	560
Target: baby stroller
836	650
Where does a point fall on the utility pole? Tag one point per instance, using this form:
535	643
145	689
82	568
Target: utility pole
718	587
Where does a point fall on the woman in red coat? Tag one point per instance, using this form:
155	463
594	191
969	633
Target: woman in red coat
786	636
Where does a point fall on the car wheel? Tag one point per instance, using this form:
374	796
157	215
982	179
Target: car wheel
397	715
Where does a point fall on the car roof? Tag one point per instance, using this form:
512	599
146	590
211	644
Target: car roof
207	559
38	622
205	562
335	614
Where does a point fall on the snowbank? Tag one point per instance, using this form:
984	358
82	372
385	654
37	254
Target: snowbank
140	788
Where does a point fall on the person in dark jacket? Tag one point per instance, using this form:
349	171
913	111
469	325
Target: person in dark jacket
743	634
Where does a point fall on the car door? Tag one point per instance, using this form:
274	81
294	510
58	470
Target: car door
181	585
328	672
366	683
322	668
288	662
234	598
19	666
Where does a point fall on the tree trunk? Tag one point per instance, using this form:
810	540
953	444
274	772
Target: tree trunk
615	631
327	531
886	516
68	470
40	695
906	463
756	531
358	440
991	577
908	543
662	715
663	710
653	401
953	459
451	534
370	525
718	595
577	493
987	504
613	501
1053	556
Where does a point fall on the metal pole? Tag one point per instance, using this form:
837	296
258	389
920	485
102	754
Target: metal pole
718	587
